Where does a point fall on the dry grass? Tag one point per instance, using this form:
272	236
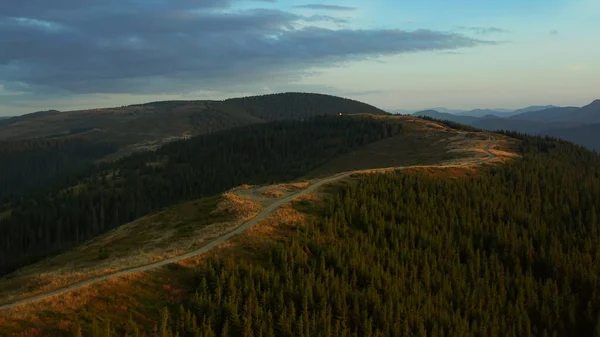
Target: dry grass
153	238
273	193
421	143
233	203
279	224
112	299
281	190
149	291
505	149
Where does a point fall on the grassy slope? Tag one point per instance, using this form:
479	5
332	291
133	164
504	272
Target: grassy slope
421	143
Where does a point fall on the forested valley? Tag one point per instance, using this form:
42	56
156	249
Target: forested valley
510	251
39	225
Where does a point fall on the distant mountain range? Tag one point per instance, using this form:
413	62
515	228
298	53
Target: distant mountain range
479	112
579	125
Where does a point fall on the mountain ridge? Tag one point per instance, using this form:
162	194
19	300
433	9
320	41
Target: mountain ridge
570	123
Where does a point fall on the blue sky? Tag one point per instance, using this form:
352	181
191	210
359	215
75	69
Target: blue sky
410	54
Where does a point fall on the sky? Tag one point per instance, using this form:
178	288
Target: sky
395	54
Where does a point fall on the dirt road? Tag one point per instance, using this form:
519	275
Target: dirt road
262	215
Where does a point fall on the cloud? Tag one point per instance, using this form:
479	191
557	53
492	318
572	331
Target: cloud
483	30
327	7
67	47
450	53
554	32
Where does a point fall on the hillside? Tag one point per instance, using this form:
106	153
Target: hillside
157	122
187	225
39	148
533	108
422	251
547	115
115	193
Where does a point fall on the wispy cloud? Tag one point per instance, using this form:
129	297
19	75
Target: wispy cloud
327	7
483	30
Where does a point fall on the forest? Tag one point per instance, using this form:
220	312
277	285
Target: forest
510	251
112	194
28	166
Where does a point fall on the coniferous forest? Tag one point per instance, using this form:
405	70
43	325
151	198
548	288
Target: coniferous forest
113	194
26	166
511	251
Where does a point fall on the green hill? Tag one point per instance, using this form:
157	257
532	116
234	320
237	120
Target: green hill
115	193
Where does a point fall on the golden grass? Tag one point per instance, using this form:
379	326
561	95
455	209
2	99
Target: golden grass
113	299
420	143
233	203
281	190
273	193
156	237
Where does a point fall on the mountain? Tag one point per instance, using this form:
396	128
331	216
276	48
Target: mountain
446	116
586	135
587	114
547	115
568	115
401	112
486	112
344	255
446	110
533	108
570	123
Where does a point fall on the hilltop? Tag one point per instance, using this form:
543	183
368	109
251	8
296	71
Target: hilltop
38	148
142	126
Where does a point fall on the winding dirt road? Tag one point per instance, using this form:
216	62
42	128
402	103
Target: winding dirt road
262	215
